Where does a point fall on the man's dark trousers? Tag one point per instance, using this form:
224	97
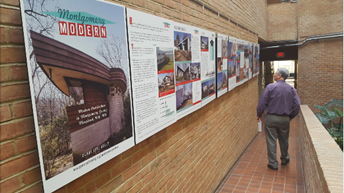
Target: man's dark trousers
276	127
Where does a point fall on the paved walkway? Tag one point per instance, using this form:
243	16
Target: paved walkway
250	173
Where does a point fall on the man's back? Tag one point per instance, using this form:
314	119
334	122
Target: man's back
279	98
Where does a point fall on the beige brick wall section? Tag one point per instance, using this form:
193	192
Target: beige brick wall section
282	21
320	72
249	13
321	156
320	17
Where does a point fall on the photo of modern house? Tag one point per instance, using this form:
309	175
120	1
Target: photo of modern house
230	50
232	67
212	86
219	81
160	56
225	79
256	58
257	64
95	114
166	82
219	63
204	43
245	74
205	89
247	51
224	48
184	96
234	48
182	72
222	80
195	70
164	58
182	46
208	88
241	47
212	50
251	57
237	68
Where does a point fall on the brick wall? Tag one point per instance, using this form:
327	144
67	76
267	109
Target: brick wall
192	155
320	64
321	156
320	17
320	72
282	21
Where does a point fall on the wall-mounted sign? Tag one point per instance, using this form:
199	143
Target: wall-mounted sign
224	55
79	78
280	55
153	72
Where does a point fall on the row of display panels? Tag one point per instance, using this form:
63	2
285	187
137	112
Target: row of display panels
84	92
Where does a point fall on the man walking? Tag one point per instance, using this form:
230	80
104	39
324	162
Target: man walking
282	104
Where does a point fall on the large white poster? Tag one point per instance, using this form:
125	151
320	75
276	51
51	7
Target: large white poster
208	71
80	85
233	71
153	72
256	60
250	57
246	60
223	56
240	59
187	52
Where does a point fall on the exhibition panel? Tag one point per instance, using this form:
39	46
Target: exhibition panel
96	92
80	85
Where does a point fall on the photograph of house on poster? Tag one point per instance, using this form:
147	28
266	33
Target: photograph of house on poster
79	76
182	46
184	96
208	88
247	61
195	71
219	63
230	50
224	49
256	58
222	80
204	44
164	59
166	83
182	72
237	63
232	67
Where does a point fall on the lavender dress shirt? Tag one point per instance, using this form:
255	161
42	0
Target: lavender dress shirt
280	99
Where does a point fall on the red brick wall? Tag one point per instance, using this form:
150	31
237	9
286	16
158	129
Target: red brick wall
320	65
320	72
192	155
19	158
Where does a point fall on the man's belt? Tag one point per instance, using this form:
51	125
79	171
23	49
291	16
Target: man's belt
278	114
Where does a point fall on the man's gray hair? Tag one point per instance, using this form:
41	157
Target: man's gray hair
283	72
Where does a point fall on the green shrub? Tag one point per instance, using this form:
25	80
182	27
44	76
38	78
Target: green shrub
330	113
